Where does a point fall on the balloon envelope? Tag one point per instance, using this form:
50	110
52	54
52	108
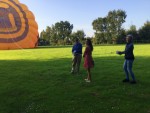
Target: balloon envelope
18	28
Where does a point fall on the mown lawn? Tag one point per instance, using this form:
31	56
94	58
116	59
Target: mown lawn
39	81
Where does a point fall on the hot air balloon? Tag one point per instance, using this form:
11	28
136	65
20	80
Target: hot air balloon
18	28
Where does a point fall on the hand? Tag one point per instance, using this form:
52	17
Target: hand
118	52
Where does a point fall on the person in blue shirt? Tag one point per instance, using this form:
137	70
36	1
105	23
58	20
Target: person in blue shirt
129	58
77	56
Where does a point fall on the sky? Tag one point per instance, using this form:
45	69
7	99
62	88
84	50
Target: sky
81	13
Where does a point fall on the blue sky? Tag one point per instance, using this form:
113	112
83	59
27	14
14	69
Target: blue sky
81	13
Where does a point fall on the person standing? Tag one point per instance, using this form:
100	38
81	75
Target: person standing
88	60
129	59
77	56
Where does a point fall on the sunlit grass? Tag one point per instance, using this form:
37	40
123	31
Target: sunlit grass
39	81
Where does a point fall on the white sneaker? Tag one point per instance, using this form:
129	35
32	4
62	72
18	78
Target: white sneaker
88	81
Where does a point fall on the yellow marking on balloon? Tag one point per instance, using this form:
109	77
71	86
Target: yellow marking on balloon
3	5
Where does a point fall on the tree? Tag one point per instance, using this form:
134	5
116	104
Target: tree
121	37
115	19
63	29
100	26
81	35
43	39
133	32
144	32
54	36
58	33
100	38
94	41
78	34
48	33
42	35
109	28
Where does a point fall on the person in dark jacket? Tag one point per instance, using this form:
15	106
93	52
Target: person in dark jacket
77	56
129	58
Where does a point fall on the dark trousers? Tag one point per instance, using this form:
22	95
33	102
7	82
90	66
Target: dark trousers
76	63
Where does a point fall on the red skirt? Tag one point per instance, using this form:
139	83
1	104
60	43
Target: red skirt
88	61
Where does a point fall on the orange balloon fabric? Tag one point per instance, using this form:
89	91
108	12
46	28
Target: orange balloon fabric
18	28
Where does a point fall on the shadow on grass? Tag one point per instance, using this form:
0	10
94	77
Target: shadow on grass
46	86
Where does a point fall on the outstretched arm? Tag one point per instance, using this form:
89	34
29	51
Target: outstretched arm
120	52
128	48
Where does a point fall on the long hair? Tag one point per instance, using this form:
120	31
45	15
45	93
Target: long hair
89	43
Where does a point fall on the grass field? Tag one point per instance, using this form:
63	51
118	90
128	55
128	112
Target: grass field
39	81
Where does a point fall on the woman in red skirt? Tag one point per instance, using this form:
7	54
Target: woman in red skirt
88	60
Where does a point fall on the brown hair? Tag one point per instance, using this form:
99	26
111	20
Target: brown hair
89	43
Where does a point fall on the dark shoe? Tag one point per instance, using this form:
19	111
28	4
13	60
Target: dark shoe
125	80
133	82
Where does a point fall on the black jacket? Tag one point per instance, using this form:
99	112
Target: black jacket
129	51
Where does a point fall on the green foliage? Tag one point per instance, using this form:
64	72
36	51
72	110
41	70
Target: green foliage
121	37
134	33
109	28
58	34
64	29
144	32
39	81
78	34
100	25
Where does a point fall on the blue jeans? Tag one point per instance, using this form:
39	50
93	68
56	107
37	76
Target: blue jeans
128	69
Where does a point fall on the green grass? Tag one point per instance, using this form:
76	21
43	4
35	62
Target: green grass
39	81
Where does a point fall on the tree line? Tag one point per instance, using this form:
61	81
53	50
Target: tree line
108	30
